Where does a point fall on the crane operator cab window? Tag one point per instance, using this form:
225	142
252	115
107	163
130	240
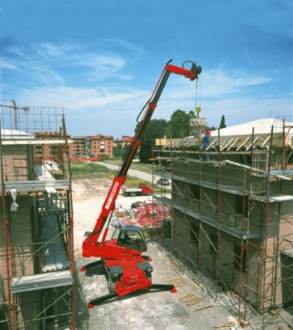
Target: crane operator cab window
132	238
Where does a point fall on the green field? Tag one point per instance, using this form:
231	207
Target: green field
90	170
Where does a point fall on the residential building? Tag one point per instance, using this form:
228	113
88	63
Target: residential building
233	214
79	148
91	146
101	145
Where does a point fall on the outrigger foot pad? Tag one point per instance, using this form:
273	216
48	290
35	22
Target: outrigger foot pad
98	301
154	287
90	265
163	287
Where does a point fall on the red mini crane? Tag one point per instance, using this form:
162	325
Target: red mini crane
126	269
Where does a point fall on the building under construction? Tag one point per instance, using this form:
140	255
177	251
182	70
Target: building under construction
36	238
233	213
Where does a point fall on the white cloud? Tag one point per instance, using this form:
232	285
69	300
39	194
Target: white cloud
104	66
217	83
7	65
49	50
80	56
136	50
81	99
55	64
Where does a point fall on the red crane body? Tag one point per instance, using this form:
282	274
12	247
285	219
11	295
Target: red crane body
133	269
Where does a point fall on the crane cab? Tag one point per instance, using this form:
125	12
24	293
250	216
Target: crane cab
131	237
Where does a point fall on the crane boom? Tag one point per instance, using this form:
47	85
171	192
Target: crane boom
91	246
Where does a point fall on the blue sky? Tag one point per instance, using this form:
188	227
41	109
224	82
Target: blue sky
101	59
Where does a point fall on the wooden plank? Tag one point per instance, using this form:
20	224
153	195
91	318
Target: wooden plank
204	307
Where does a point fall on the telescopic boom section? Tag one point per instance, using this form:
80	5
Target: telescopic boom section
91	246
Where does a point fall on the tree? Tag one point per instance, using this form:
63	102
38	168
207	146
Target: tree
179	125
222	123
155	130
118	150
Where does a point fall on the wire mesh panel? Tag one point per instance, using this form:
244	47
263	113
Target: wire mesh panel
23	122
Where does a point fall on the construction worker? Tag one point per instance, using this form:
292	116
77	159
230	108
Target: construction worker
205	143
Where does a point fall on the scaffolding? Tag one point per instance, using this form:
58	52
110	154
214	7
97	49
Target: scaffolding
232	224
36	220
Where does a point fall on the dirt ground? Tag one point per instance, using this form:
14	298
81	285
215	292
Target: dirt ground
190	308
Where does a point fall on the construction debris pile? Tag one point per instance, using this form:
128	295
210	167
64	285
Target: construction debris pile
147	214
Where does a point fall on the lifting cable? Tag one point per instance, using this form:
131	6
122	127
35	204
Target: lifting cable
197	97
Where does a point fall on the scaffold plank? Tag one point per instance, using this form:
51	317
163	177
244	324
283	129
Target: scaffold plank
36	186
41	281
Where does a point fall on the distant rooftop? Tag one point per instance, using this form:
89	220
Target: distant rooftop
14	133
260	126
